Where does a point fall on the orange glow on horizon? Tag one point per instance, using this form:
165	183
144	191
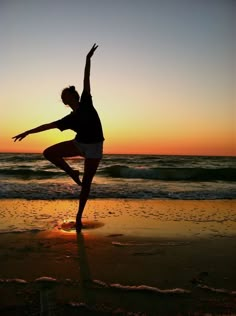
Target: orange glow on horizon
175	148
168	141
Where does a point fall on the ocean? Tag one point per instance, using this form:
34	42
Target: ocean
31	176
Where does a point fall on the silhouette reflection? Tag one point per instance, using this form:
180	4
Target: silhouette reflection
86	293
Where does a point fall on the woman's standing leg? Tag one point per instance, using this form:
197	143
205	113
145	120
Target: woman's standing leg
90	168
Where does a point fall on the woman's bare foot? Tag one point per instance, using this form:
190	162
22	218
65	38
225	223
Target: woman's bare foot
75	177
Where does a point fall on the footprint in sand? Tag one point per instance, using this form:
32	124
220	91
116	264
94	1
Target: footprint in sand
115	235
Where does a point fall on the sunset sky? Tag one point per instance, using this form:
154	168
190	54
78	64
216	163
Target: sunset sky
162	78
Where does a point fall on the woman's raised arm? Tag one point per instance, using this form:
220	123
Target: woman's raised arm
87	68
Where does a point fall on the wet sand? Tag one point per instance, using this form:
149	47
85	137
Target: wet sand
148	257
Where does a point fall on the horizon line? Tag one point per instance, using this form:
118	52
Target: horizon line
140	154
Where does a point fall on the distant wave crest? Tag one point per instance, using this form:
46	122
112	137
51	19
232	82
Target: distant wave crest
126	172
29	173
171	174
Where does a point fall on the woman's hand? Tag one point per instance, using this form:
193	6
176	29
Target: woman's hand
20	136
38	129
92	50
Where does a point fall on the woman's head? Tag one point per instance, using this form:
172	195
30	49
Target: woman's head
70	96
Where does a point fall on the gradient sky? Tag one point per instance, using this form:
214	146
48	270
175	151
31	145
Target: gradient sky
162	79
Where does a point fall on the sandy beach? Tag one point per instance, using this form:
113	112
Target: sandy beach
134	257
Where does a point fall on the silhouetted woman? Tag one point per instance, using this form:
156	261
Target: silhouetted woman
88	141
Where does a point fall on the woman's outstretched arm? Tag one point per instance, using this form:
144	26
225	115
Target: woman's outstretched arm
87	68
38	129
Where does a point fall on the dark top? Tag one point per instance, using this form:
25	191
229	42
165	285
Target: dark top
84	121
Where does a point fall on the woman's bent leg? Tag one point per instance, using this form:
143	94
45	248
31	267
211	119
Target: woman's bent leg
57	152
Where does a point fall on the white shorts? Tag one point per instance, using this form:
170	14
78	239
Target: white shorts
93	150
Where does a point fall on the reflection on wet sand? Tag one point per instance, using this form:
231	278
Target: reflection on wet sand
86	295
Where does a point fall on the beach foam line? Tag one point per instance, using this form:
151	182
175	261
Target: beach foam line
212	289
17	281
142	288
45	280
149	289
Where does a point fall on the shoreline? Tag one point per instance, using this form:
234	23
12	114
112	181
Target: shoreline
136	217
143	256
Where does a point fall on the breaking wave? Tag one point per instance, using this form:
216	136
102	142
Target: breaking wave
171	174
26	173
